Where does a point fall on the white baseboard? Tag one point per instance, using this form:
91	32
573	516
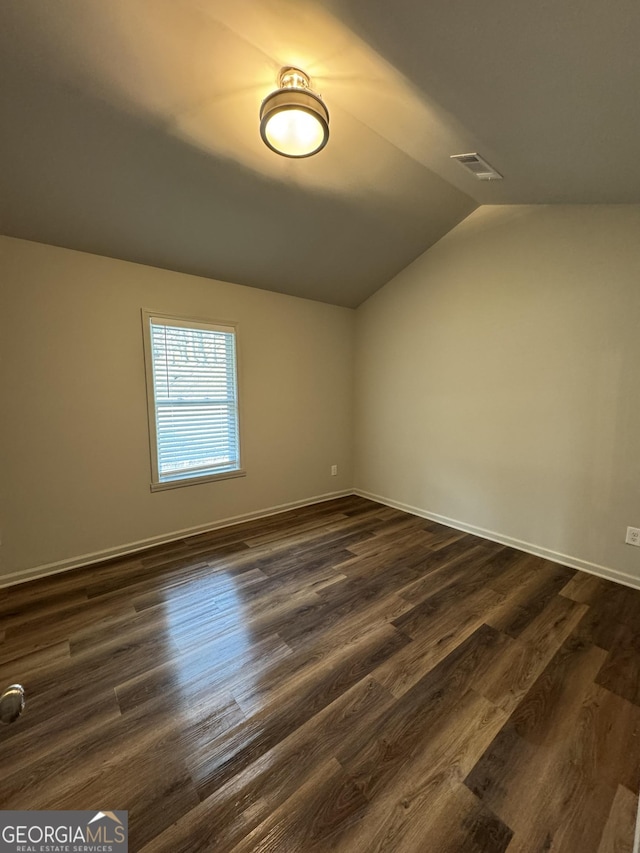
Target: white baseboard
132	547
528	547
44	571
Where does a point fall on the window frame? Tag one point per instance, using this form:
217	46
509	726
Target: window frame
191	323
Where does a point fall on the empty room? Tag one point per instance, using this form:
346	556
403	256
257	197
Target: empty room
320	426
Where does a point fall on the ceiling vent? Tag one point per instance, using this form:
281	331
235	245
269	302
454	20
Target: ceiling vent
477	166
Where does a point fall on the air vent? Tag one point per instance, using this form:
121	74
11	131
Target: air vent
477	166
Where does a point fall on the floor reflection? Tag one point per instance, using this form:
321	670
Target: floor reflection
206	622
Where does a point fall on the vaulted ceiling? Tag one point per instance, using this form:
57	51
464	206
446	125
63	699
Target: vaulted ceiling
130	128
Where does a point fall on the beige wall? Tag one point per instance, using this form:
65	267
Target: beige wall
73	432
498	381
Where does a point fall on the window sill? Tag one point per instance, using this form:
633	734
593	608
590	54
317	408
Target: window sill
195	481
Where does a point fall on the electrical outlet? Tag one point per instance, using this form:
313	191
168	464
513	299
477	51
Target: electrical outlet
633	536
334	471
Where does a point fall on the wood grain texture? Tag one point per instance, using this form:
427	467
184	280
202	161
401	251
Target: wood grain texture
341	677
621	824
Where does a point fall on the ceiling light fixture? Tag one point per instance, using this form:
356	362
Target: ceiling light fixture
294	121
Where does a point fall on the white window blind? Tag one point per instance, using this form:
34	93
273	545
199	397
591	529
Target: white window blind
195	398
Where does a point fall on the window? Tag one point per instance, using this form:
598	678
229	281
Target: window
193	400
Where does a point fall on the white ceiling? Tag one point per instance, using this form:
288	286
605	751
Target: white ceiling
130	127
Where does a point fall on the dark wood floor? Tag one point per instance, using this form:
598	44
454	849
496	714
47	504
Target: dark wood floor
341	677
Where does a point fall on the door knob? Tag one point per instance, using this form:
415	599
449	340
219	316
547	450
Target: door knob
11	703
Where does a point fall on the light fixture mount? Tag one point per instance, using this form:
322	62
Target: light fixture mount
294	121
293	78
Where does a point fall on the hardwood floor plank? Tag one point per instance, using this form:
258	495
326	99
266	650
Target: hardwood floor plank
558	694
42	631
404	776
216	824
445	567
523	660
40	606
322	807
528	598
275	711
223	818
298	532
268	616
559	735
29	745
393	538
613	605
464	823
204	671
436	633
21	667
621	824
57	589
616	731
583	588
378	754
327	629
193	592
620	672
109	763
453	820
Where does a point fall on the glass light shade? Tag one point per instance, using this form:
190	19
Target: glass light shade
294	122
294	132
